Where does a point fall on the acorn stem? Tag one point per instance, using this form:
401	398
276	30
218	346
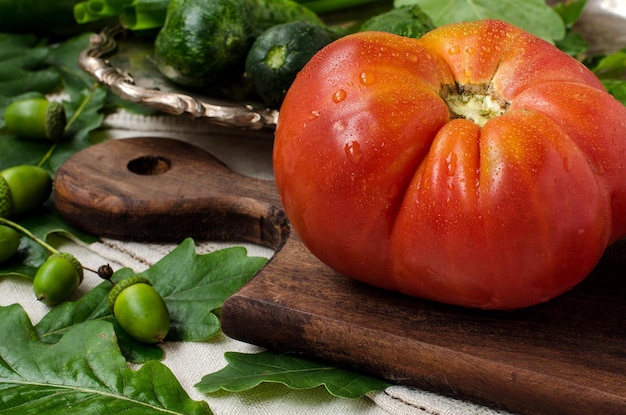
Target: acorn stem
29	234
47	156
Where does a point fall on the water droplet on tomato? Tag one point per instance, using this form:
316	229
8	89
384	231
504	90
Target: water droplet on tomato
412	58
454	50
367	78
353	151
339	96
451	164
340	125
313	115
470	50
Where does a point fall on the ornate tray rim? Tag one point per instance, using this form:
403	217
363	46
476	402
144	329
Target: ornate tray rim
94	60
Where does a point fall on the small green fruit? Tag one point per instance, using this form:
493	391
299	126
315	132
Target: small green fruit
22	189
57	278
36	119
140	310
9	242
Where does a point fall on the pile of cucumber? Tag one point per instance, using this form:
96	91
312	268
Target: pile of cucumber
204	43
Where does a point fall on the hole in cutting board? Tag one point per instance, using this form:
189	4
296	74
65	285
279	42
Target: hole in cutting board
149	165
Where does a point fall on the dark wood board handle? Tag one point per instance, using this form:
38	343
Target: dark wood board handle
162	190
564	357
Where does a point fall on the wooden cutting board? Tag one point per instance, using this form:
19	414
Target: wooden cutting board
566	357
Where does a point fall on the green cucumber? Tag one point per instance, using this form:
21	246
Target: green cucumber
279	53
202	41
205	42
268	13
408	21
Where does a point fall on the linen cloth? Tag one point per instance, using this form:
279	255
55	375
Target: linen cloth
247	153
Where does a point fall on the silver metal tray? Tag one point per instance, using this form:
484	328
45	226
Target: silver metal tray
125	65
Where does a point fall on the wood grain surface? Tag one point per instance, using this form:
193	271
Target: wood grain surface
564	357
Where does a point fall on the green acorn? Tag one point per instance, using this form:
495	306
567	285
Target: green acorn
22	189
9	242
57	278
140	309
36	119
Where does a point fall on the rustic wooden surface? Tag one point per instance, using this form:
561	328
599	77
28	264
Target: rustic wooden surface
157	189
564	357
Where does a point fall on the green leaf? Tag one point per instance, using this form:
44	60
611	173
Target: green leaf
193	286
23	68
245	371
64	58
611	66
617	88
15	151
570	11
573	44
534	16
15	80
27	58
83	373
14	44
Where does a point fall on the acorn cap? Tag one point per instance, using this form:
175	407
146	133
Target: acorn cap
55	120
6	199
72	260
122	285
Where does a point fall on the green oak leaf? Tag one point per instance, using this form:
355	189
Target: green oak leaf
84	373
30	58
194	287
15	80
245	371
534	16
23	68
14	44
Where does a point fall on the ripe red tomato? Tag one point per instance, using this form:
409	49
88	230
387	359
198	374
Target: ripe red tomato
477	166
